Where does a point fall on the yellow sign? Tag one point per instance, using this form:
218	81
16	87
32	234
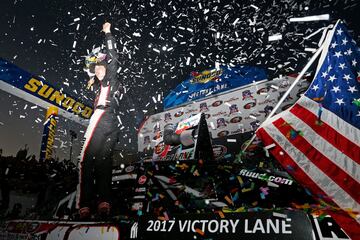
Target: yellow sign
52	110
57	98
51	138
207	76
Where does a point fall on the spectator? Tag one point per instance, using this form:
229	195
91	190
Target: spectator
4	185
33	160
22	153
15	212
51	181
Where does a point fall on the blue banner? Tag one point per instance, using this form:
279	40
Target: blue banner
210	82
39	88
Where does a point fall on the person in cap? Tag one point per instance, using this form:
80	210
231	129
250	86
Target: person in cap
95	166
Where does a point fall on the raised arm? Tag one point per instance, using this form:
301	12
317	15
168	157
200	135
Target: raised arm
111	48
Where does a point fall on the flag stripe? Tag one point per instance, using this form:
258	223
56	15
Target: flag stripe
336	174
349	224
328	150
324	182
298	165
347	130
328	133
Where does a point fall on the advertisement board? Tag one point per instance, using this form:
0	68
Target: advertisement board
284	224
210	82
229	115
24	85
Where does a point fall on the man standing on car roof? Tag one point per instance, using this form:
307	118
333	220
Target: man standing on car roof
101	134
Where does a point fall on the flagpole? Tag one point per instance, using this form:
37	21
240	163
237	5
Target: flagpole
307	66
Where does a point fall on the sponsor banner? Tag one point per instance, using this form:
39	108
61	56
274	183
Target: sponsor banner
33	89
228	115
263	176
48	136
164	152
249	225
209	82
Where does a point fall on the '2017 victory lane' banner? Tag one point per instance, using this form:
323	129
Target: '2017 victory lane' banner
251	225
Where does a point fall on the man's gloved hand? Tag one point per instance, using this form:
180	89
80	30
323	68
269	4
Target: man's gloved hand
90	83
106	27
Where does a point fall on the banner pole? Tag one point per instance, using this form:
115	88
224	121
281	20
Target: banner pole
307	66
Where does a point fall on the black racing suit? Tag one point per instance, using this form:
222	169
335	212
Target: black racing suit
100	136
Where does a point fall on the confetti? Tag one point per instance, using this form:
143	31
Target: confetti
228	200
240	180
275	37
199	231
271	184
270	146
236	20
280	215
325	17
312	50
221	214
256	8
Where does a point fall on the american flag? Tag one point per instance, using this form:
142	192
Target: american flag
318	139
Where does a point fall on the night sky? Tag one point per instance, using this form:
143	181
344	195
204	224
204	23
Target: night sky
160	43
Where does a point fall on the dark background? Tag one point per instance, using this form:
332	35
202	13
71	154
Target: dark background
39	35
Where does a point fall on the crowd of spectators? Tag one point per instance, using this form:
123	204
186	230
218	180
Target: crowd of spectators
49	180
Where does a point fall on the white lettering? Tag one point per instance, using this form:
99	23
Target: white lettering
278	179
203	224
193	225
216	226
181	226
284	226
189	225
172	222
234	224
224	225
259	226
270	225
242	172
247	226
262	176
